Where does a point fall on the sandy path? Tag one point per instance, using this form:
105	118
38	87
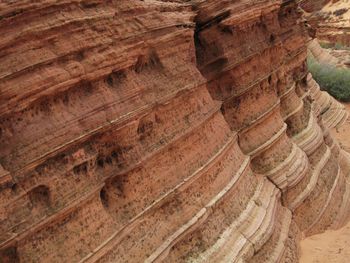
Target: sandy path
331	246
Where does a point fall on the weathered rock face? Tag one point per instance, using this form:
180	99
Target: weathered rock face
313	5
162	131
330	19
322	55
263	86
333	112
331	57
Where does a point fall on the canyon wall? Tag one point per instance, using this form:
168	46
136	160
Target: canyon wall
314	5
330	19
163	131
329	56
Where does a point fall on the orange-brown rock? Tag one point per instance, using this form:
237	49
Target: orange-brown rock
313	5
162	131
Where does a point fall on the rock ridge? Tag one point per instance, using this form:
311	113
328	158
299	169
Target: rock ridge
163	131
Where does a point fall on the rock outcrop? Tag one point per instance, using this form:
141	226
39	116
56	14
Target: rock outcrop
311	6
162	131
331	57
333	112
322	55
330	19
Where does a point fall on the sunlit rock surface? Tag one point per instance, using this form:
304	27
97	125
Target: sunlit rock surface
330	19
162	131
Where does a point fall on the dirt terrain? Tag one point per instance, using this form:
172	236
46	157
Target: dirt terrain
331	246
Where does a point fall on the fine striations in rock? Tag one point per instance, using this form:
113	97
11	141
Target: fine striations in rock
330	19
162	131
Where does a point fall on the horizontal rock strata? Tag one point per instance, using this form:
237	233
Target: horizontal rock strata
333	112
329	19
163	131
322	55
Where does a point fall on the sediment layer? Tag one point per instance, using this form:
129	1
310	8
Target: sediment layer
163	131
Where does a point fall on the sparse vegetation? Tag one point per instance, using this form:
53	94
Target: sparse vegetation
336	81
326	45
336	46
339	46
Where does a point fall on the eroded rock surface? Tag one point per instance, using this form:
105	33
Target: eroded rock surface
162	131
330	19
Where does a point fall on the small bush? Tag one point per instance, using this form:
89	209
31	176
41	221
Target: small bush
334	80
336	46
339	46
326	45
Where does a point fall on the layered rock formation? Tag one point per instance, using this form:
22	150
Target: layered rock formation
311	6
330	19
333	112
338	58
162	131
322	55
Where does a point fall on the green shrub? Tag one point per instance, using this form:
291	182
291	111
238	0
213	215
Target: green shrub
326	45
340	46
336	46
335	81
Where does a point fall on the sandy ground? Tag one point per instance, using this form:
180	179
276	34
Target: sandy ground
331	246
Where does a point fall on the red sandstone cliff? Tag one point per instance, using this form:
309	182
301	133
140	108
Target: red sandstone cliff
162	131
